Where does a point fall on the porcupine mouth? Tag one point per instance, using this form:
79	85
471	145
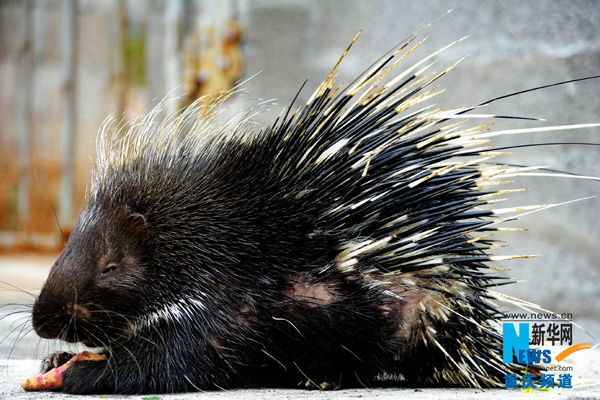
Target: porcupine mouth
75	338
89	343
93	340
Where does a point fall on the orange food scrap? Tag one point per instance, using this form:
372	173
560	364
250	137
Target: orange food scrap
53	379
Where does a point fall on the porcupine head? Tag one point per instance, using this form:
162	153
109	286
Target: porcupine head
333	247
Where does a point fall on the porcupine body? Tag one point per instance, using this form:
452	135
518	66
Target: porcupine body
347	241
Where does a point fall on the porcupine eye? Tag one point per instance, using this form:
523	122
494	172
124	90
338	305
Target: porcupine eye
109	268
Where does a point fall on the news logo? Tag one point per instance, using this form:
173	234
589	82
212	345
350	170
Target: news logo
515	348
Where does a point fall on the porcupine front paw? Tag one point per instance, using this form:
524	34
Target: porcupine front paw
325	385
55	360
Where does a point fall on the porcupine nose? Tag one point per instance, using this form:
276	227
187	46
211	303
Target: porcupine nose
57	319
45	318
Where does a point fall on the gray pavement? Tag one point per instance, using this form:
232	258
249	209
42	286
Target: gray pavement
12	374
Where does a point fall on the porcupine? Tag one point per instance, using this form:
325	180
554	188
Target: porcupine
347	241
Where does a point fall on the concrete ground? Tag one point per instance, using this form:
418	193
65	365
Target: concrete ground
13	372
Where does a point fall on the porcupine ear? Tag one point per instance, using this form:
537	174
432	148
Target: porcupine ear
137	225
137	222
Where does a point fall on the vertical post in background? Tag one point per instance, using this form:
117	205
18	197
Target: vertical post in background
163	56
68	46
120	66
23	112
155	44
173	53
212	54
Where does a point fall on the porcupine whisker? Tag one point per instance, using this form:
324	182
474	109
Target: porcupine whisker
62	334
18	330
18	289
41	344
21	332
19	322
16	310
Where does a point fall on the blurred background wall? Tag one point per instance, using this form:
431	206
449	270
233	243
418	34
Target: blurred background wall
66	65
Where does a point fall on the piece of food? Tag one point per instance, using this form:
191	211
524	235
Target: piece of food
53	379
